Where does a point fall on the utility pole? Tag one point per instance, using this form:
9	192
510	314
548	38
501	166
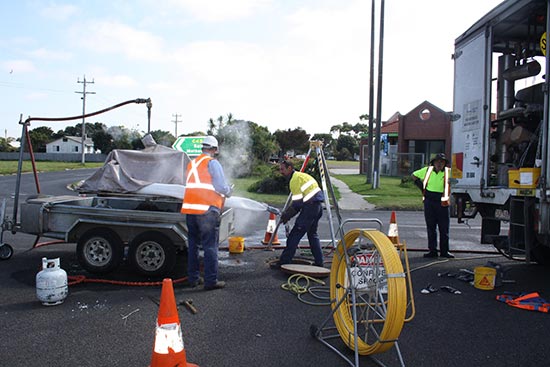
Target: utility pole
84	82
176	123
376	170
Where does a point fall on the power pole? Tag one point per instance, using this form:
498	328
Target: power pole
84	82
176	123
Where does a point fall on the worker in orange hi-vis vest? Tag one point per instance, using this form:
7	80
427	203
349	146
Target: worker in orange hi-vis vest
434	183
205	192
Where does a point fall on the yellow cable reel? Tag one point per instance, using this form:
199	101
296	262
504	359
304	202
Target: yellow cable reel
378	296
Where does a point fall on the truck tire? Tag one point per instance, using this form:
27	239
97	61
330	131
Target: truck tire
152	254
99	251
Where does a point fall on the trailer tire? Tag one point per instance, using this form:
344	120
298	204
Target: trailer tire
5	251
152	254
99	251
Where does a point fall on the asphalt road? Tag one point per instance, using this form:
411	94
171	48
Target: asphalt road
253	322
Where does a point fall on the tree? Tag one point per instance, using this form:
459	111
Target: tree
349	143
163	137
296	140
5	145
103	141
40	136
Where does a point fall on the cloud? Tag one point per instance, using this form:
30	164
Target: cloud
58	12
118	81
19	66
118	38
45	54
221	10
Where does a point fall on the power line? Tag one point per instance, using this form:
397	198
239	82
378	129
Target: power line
84	82
176	123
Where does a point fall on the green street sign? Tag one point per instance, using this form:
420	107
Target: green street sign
192	145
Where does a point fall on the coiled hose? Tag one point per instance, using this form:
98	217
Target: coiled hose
380	317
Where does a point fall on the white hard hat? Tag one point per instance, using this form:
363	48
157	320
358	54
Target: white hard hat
210	142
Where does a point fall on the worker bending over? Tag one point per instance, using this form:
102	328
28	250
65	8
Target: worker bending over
306	200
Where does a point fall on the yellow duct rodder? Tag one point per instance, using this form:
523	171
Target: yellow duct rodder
368	285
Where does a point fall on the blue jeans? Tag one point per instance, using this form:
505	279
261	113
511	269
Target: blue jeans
307	222
203	230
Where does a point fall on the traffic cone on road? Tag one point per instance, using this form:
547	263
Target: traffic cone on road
393	233
168	350
270	231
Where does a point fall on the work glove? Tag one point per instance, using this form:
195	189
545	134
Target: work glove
288	214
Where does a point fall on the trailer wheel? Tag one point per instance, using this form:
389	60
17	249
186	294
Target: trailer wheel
152	254
99	251
5	251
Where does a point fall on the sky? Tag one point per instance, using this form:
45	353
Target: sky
279	63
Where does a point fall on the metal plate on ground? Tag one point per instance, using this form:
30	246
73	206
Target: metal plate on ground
311	270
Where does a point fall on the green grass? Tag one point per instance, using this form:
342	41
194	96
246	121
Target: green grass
10	167
242	184
391	194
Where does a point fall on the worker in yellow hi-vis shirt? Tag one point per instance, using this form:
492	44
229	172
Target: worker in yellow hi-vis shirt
434	183
306	200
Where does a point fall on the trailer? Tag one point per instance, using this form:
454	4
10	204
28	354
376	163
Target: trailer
500	129
128	209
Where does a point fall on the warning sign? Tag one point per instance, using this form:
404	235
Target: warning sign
370	273
485	282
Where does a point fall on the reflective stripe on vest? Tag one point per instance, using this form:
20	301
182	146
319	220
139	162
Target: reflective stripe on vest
200	194
445	196
303	186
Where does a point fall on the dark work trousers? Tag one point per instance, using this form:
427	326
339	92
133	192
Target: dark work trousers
306	222
203	230
438	216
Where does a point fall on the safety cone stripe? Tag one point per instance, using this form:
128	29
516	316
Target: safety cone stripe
168	350
269	232
393	231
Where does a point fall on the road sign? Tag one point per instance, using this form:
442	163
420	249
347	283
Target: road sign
192	145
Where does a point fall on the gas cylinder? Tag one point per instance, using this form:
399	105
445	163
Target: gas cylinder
51	283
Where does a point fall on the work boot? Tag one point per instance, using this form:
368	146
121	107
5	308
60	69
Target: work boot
218	285
196	283
448	255
431	254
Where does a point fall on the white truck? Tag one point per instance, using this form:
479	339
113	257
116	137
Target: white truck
500	129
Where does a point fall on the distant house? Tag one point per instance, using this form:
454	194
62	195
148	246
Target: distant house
70	144
417	136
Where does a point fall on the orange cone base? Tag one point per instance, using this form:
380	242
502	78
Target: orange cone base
171	359
268	237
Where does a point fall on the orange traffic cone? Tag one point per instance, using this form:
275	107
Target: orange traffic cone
269	231
393	233
168	350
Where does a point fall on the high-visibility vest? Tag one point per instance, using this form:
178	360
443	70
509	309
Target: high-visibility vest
200	194
531	301
303	187
446	195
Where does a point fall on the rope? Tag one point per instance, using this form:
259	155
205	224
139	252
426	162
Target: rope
78	279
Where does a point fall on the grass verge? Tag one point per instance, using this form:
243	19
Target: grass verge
391	194
10	167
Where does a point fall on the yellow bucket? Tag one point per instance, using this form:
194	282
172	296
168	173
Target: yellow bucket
484	278
236	245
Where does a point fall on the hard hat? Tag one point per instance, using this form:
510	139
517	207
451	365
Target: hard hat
210	142
441	156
